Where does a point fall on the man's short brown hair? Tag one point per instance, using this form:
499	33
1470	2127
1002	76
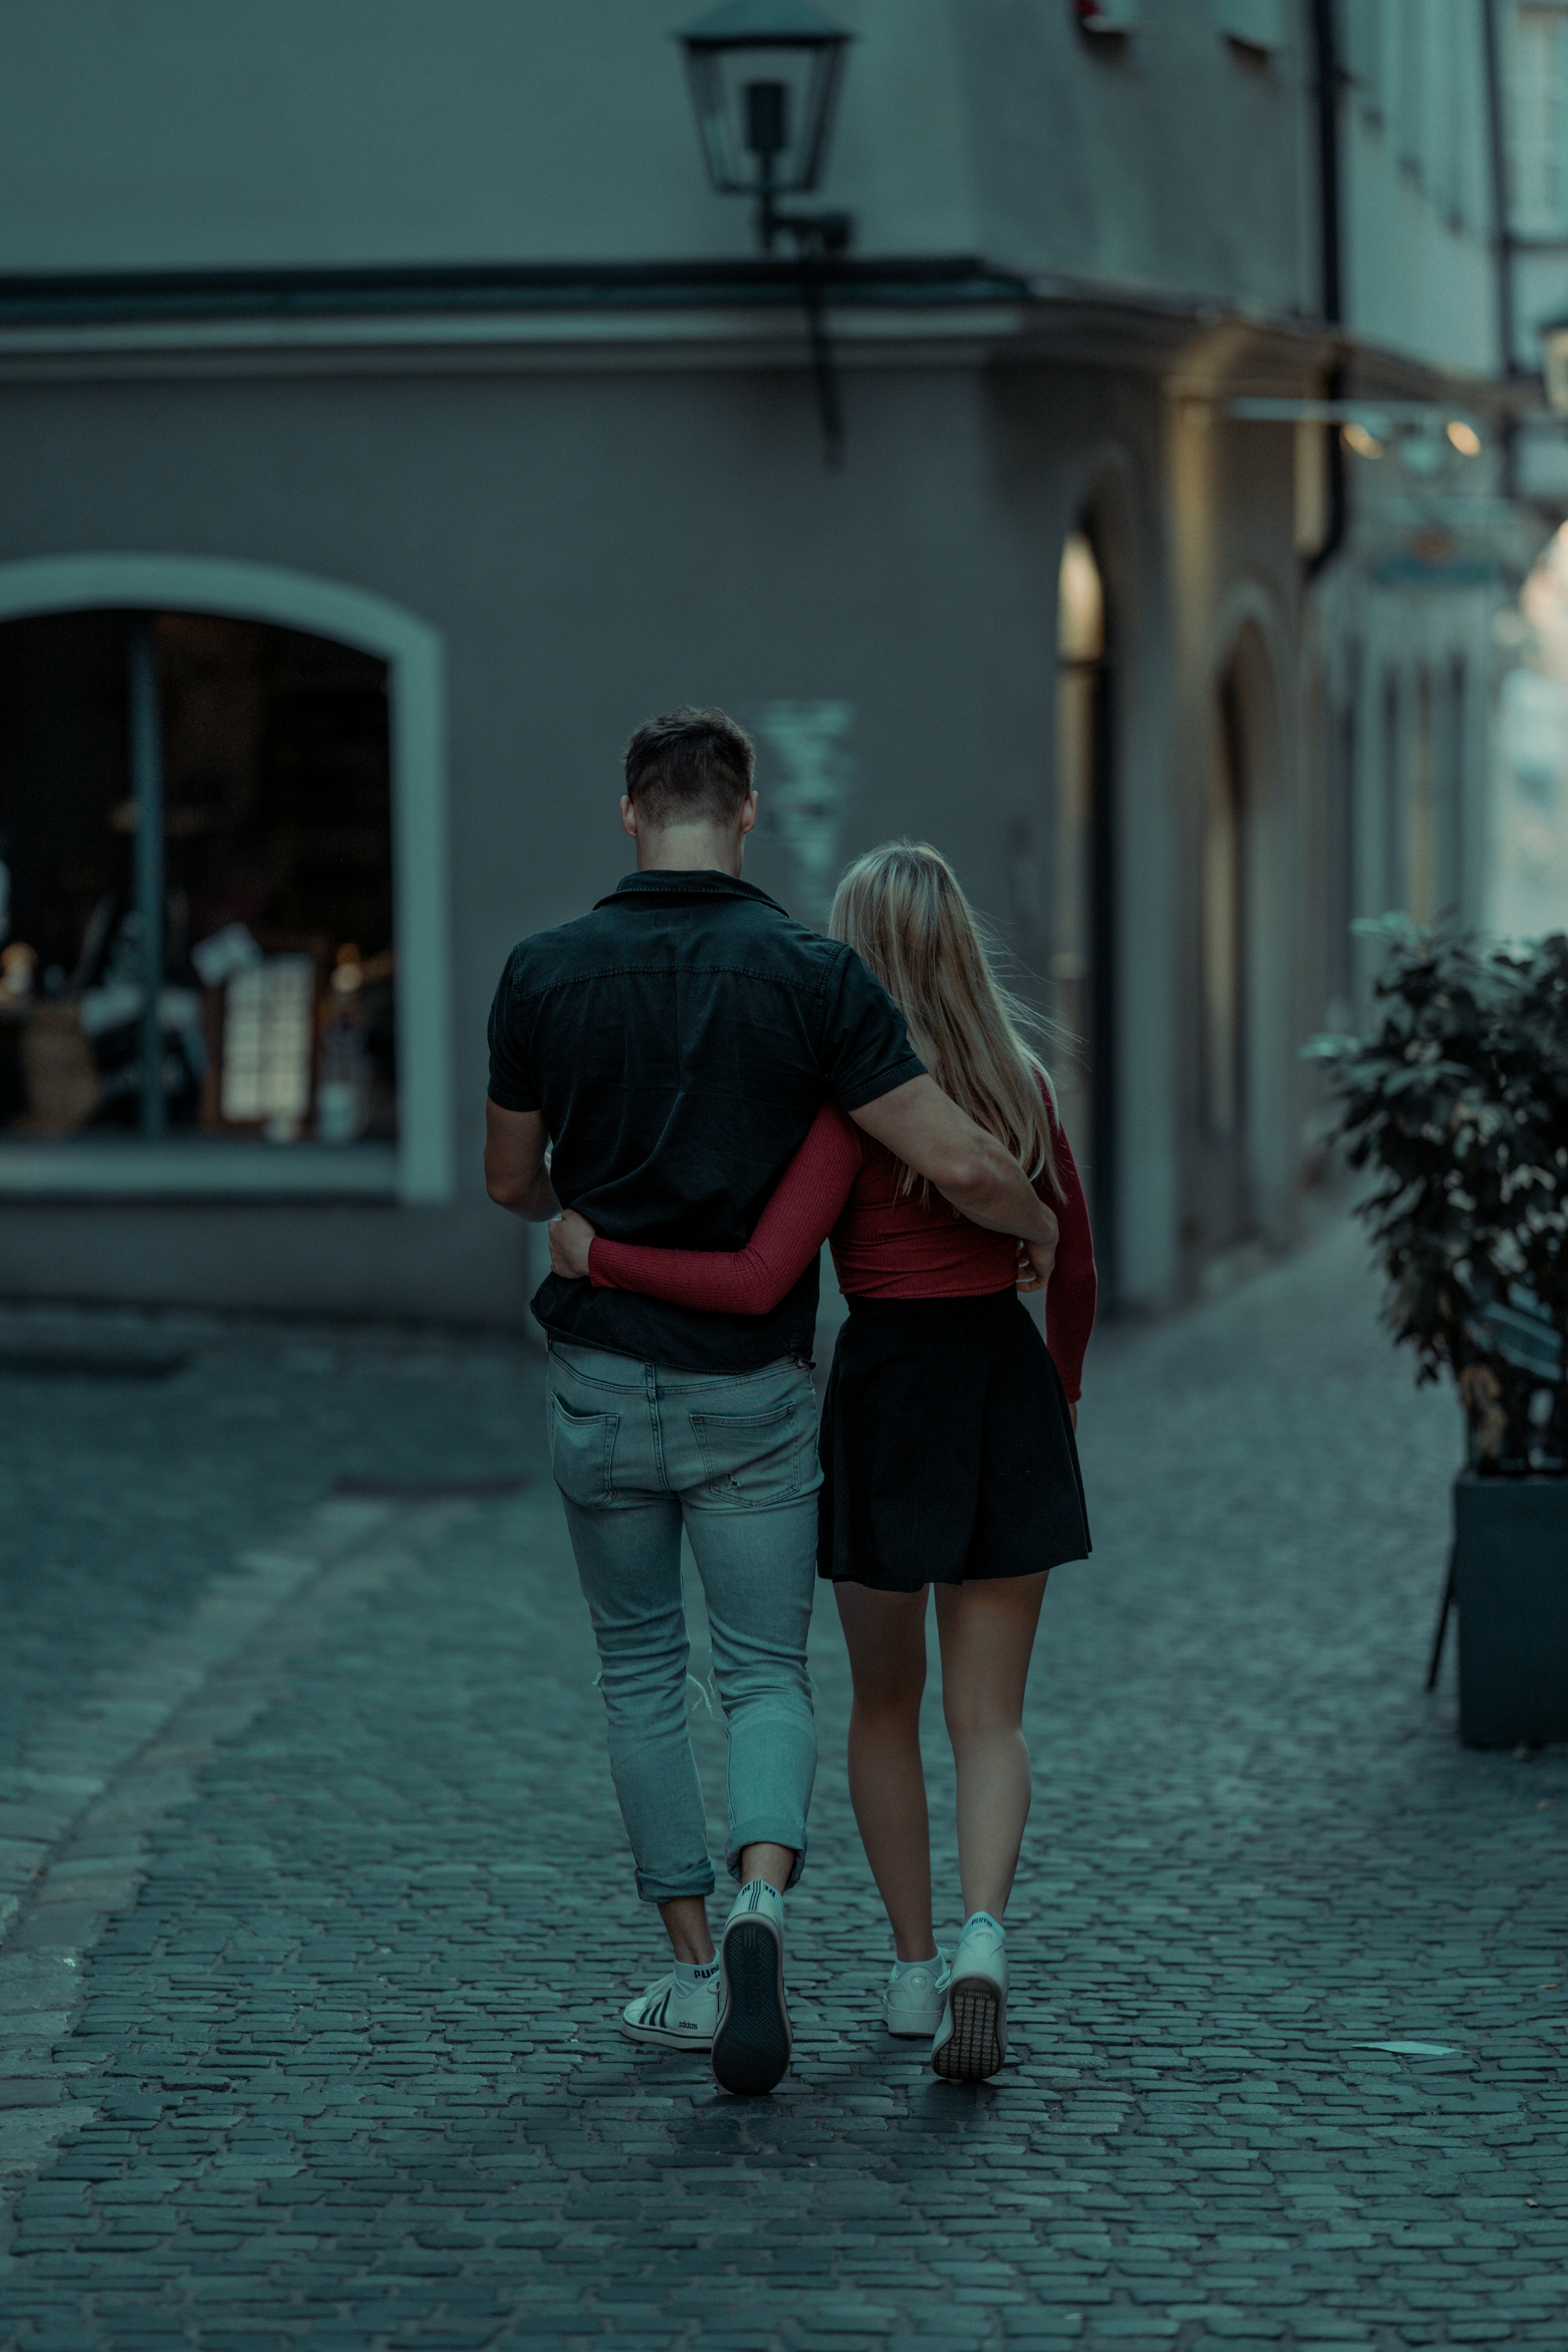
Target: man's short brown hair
691	767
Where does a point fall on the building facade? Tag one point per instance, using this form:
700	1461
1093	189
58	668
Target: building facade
396	415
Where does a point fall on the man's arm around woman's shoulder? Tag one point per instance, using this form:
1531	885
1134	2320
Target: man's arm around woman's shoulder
926	1129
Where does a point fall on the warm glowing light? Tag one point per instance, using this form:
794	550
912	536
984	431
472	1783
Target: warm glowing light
1364	443
350	973
1465	437
17	964
1081	602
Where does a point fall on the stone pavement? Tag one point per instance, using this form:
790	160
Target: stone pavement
320	1913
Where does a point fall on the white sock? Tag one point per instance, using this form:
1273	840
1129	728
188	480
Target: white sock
902	1967
985	1919
690	1974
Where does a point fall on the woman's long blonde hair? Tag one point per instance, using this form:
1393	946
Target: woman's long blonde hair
902	909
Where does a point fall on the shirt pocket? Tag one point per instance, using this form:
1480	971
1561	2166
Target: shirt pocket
583	1453
751	1459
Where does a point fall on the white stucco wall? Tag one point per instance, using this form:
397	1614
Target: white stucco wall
185	134
203	133
192	133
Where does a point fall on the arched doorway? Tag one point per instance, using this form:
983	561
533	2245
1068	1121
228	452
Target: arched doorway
1083	897
1422	840
1227	1206
1231	948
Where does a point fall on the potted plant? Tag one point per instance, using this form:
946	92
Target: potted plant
1458	1100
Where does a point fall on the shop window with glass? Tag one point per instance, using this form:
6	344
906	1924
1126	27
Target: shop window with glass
195	883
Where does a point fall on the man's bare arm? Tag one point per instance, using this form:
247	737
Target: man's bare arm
926	1129
515	1174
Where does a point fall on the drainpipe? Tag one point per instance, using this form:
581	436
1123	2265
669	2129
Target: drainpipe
1330	287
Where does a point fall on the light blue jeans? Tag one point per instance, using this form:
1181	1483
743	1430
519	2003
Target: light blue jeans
639	1451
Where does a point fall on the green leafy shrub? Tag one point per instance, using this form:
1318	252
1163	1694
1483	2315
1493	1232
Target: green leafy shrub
1458	1100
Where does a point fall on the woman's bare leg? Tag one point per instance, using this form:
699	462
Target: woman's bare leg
986	1629
886	1635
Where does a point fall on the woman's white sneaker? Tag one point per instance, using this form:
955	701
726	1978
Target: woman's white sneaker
676	2016
914	1998
972	2039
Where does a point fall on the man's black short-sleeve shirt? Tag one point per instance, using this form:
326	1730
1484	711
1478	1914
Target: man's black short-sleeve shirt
678	1041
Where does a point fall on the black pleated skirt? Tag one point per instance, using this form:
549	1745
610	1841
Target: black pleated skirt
947	1447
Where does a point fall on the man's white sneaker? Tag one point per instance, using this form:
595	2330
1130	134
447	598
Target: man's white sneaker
752	2042
677	2017
972	2039
914	1998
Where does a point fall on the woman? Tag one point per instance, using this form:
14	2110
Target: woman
947	1432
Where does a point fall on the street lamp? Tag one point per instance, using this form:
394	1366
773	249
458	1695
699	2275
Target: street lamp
765	76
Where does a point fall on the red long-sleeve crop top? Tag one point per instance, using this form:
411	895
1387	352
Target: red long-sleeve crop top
842	1186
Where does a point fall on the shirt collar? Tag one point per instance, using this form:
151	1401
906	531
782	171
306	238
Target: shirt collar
700	882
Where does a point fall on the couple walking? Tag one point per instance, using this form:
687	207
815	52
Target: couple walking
699	1091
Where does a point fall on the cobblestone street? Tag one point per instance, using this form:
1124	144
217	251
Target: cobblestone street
317	1916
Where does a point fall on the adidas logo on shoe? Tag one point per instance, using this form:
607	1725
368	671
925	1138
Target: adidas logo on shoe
675	2016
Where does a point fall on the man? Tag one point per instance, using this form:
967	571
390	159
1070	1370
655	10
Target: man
675	1045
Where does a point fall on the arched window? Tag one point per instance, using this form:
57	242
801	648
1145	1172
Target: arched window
223	962
207	801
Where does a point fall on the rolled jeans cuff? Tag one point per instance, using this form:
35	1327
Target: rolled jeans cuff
763	1831
696	1883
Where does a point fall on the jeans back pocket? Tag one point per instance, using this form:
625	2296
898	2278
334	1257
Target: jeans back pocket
583	1453
751	1458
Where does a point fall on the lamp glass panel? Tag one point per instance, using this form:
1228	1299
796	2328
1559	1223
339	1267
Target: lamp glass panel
720	80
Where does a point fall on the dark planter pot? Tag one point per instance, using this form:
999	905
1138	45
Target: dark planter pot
1511	1587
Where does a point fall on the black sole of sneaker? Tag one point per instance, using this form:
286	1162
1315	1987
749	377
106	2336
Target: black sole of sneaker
976	2049
750	2049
